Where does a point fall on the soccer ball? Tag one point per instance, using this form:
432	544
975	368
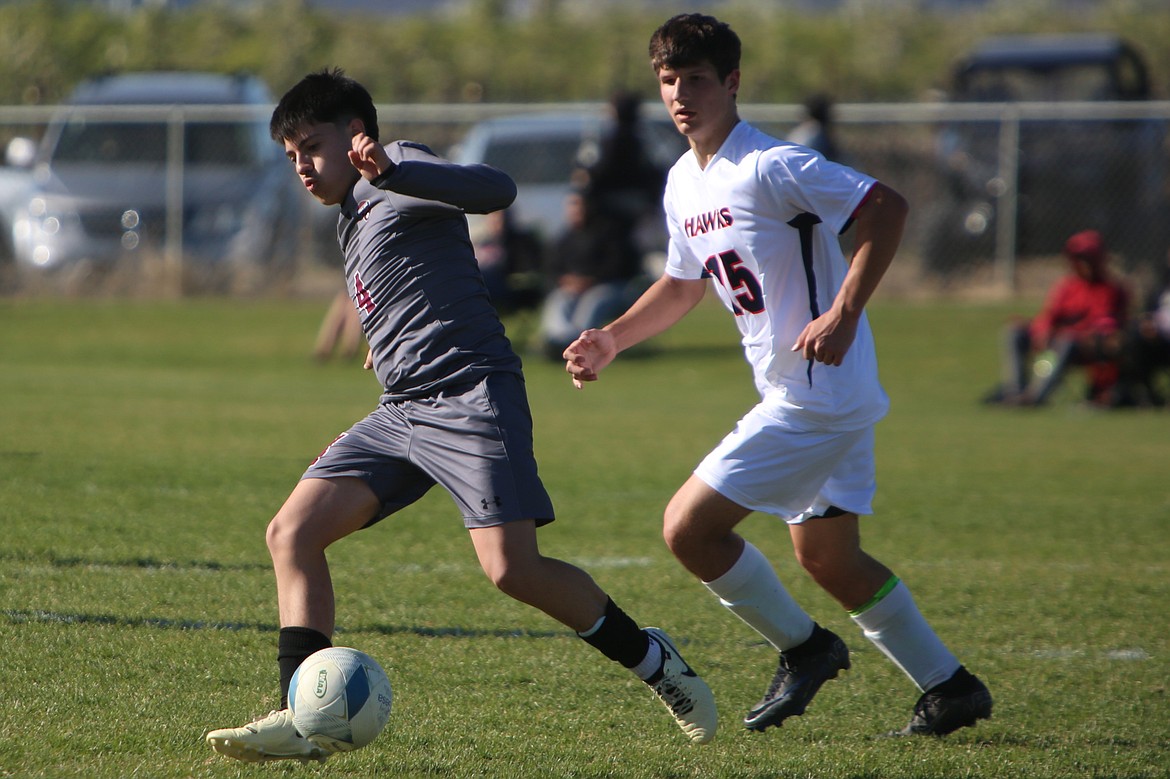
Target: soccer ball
340	698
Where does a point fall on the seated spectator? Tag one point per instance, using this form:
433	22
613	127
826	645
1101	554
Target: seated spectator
1082	323
1147	349
591	269
510	260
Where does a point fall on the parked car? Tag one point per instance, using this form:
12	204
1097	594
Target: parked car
1105	174
15	181
540	150
104	174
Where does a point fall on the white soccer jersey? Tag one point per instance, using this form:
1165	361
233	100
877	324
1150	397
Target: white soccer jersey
762	220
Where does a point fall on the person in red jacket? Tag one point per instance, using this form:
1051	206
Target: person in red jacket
1081	324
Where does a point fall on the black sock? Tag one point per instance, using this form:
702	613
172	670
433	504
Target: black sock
292	647
619	638
820	641
960	683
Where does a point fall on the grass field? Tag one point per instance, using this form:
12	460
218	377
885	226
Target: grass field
144	446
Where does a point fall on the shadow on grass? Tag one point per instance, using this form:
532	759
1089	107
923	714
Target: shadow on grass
25	616
164	623
145	563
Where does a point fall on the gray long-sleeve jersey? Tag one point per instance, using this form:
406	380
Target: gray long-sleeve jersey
412	273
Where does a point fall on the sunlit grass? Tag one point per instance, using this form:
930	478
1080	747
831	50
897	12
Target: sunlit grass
144	446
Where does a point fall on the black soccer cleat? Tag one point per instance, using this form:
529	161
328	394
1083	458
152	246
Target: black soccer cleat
959	702
801	672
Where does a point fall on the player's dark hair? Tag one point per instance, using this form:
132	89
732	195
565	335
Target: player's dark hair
692	39
324	97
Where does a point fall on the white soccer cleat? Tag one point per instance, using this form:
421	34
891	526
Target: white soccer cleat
272	737
683	692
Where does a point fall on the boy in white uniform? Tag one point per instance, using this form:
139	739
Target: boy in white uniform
760	217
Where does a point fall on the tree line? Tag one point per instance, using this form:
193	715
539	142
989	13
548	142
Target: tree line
562	51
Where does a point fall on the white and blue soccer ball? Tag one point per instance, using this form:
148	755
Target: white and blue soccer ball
340	698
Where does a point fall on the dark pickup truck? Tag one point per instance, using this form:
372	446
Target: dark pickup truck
1074	165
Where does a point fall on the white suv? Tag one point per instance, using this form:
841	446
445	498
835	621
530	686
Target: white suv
109	182
540	150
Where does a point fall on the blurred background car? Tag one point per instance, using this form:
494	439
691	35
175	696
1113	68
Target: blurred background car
15	181
153	164
541	150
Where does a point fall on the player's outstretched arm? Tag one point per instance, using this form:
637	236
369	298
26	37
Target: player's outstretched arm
666	302
586	356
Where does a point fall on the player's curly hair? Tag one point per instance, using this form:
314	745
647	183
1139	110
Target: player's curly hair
692	39
325	97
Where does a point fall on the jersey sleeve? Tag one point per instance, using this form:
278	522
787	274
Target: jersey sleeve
423	182
801	179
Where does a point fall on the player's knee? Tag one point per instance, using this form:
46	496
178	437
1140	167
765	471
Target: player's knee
685	537
511	577
818	558
515	586
285	536
279	537
829	567
814	563
673	533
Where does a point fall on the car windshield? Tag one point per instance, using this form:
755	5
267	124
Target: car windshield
1085	82
213	143
534	161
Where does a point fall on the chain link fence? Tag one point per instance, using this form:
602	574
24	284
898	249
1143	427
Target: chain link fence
182	199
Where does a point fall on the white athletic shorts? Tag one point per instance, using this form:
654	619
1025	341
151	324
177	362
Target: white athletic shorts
794	475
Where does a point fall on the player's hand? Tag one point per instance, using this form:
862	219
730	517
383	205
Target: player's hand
588	355
826	339
369	157
369	363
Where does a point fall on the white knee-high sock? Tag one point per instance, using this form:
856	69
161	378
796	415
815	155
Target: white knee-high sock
753	592
894	624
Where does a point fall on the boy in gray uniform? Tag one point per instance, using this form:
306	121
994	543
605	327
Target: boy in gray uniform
453	410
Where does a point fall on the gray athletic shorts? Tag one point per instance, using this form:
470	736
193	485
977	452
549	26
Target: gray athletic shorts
474	440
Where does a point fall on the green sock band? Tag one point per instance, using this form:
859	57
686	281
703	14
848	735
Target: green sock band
882	592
